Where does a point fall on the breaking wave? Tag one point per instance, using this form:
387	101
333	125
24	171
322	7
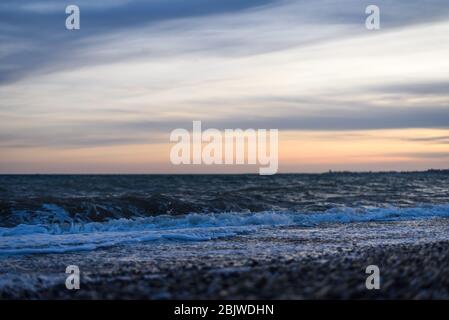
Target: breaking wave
75	236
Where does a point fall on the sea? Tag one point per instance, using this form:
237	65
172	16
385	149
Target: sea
51	214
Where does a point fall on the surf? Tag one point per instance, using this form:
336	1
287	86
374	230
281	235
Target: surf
60	238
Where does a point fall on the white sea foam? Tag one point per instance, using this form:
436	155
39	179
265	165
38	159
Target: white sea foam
59	238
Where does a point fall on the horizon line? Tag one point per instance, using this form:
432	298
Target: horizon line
223	173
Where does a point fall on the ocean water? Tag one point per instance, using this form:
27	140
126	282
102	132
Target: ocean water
68	213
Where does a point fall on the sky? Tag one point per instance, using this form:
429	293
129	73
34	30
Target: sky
104	99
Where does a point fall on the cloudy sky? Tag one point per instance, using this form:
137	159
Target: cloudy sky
106	97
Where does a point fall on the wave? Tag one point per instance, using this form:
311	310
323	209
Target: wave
89	209
62	199
65	237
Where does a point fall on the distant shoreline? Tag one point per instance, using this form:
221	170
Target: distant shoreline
444	171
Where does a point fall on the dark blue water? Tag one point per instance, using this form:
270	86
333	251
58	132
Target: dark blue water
58	214
87	198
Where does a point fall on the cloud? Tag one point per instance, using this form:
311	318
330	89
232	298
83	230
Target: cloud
421	155
86	134
138	69
40	27
37	41
436	140
417	88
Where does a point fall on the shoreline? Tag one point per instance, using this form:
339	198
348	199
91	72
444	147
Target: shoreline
297	263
